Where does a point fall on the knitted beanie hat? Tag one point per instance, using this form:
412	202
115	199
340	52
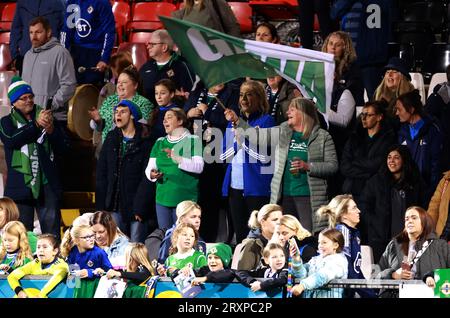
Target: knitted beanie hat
17	88
134	109
223	251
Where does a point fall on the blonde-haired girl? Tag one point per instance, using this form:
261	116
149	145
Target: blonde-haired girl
182	251
187	212
14	250
138	270
10	212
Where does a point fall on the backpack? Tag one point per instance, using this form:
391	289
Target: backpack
153	243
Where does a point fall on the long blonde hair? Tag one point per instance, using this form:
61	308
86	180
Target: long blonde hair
68	241
18	230
292	223
258	89
137	254
10	209
349	53
309	112
390	96
335	209
254	222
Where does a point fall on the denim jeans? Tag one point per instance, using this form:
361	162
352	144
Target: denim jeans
166	216
137	231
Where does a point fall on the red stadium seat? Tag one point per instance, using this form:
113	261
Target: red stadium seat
138	52
7	16
140	37
121	11
5	57
145	15
243	13
5	37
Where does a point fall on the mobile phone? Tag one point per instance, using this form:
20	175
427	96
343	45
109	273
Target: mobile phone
48	105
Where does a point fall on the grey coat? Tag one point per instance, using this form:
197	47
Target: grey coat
321	157
437	255
50	72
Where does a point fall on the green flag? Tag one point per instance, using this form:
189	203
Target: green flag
218	57
442	280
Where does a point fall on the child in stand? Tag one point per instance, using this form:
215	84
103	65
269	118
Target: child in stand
10	212
276	271
320	270
164	93
183	255
14	250
46	263
218	271
80	247
138	270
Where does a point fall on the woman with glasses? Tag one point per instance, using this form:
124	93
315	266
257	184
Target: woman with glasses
365	151
31	138
387	195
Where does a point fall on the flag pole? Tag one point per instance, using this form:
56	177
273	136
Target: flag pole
220	103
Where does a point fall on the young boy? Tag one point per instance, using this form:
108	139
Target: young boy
218	271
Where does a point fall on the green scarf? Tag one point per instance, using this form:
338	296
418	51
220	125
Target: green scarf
25	160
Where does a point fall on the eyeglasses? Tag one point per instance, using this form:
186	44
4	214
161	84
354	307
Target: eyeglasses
26	98
364	115
154	43
88	237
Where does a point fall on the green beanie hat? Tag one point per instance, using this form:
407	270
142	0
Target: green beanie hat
222	250
17	88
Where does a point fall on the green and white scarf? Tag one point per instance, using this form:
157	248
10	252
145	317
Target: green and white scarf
25	160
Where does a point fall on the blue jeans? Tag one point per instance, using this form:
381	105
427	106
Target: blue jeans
166	216
137	231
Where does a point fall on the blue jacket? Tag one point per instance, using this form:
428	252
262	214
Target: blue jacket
26	10
425	150
89	24
15	138
90	260
359	18
255	182
352	250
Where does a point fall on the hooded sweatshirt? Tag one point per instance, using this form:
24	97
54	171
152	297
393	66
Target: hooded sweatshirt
50	72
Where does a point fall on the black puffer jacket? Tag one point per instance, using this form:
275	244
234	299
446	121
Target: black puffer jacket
121	182
363	156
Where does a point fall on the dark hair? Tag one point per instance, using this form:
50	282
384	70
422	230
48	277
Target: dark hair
121	60
42	20
169	84
272	29
428	227
409	174
379	106
53	241
336	237
412	102
133	74
105	218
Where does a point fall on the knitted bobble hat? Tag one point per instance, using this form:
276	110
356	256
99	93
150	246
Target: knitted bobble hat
134	109
223	251
17	88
